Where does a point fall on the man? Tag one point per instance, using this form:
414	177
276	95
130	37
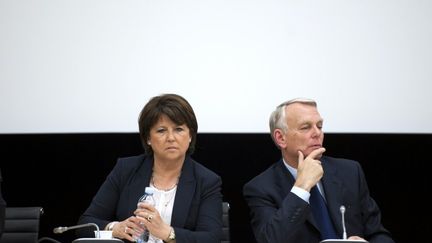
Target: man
2	209
283	207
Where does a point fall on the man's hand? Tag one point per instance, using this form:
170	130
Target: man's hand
309	169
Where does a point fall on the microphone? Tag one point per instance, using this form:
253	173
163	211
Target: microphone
342	210
344	239
60	230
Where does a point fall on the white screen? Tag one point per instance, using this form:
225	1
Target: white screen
71	66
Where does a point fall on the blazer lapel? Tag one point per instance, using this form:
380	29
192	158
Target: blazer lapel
284	178
145	171
333	190
286	182
185	188
136	186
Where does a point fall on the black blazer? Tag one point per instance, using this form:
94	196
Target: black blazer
278	215
197	211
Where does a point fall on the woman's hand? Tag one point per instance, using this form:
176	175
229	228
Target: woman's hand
150	217
128	229
355	238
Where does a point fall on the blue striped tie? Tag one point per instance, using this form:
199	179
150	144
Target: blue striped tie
321	215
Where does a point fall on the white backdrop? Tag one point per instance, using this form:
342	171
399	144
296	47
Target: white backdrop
71	66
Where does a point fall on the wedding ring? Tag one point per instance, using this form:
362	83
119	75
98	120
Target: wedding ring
126	228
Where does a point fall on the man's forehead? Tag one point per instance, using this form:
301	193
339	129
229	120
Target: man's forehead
303	114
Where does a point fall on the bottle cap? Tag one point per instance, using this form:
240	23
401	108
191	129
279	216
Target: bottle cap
149	190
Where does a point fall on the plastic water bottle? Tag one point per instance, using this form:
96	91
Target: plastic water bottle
146	198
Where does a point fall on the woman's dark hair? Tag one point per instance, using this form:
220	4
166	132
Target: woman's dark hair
175	108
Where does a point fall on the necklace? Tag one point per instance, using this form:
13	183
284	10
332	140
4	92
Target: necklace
165	203
170	195
161	188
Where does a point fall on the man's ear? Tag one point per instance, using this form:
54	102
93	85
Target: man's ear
279	137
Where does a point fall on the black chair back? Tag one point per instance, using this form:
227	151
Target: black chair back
225	223
21	225
2	209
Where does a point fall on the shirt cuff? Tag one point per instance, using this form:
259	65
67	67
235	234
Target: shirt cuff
301	193
110	226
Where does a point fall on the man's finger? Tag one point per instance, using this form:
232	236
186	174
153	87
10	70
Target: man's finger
317	153
300	157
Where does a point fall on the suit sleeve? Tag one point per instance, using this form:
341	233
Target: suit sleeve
271	223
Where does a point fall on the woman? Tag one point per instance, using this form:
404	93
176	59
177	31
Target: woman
188	195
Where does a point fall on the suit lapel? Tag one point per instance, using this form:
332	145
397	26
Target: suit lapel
141	181
284	179
333	190
286	182
184	194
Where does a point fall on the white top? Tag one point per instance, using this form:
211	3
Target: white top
164	205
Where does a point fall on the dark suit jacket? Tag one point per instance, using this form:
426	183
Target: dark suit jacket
197	211
278	215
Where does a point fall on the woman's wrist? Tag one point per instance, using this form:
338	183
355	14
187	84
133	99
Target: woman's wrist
110	226
171	237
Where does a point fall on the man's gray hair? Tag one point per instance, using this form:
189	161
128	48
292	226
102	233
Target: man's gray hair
278	117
